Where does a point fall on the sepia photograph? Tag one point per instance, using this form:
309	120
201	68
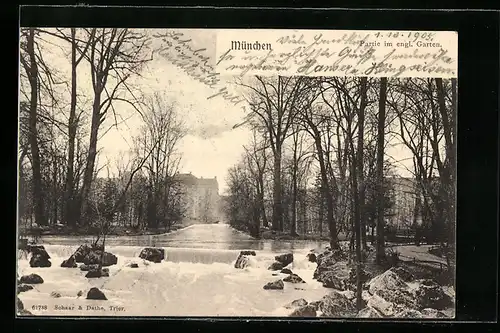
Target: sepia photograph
236	173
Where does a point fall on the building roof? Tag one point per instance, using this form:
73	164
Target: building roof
190	179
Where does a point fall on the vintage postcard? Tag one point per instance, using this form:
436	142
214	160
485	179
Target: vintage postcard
220	172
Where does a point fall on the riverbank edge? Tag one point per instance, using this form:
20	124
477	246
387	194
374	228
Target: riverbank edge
118	231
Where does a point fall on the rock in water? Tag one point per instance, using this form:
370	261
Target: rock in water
81	252
86	268
311	257
84	250
23	287
79	293
284	259
40	260
153	254
134	265
247	253
275	266
31	279
109	259
431	295
69	263
296	303
286	271
95	293
241	261
304	311
336	305
94	258
55	294
38	250
97	273
294	278
368	312
278	284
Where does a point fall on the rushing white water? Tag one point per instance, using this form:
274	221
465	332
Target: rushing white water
189	282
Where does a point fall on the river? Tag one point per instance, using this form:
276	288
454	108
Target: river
197	277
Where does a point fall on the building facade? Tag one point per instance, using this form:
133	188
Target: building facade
405	192
200	197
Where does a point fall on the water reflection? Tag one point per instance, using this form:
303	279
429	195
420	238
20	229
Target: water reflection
219	237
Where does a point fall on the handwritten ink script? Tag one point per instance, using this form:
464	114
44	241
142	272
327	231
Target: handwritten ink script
178	49
337	53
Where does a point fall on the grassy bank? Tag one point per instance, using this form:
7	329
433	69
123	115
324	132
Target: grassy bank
79	231
281	235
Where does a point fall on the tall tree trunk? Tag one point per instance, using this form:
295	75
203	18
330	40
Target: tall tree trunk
380	253
69	214
293	229
92	154
321	210
38	201
54	189
262	204
361	132
277	223
332	225
358	187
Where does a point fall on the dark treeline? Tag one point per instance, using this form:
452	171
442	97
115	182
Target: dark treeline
319	160
75	84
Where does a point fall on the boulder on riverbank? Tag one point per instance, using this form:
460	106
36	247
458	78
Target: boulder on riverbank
31	279
431	295
326	261
95	293
368	312
274	285
152	254
296	303
304	311
398	292
336	305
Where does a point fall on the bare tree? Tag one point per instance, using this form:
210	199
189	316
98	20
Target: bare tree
273	103
114	56
256	159
162	129
380	255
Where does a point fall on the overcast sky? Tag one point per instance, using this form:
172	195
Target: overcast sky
211	146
